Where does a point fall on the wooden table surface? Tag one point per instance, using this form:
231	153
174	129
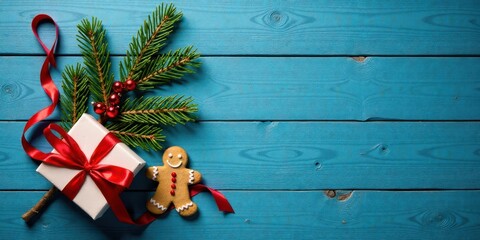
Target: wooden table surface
317	120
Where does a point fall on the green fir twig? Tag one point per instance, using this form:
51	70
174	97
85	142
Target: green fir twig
168	67
96	57
158	110
151	37
74	100
145	136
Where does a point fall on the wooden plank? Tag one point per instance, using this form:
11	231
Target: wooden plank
266	27
303	88
300	155
266	215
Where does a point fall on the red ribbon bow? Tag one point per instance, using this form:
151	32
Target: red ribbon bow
71	156
110	179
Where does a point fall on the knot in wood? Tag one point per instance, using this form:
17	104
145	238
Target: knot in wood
10	92
276	19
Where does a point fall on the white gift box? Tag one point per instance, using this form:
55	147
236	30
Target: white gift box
88	133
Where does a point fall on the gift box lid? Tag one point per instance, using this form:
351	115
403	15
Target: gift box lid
88	133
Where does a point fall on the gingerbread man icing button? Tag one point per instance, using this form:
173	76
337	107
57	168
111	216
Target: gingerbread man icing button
173	179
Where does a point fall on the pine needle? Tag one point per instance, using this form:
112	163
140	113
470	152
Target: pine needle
151	37
74	100
158	110
145	136
93	44
167	67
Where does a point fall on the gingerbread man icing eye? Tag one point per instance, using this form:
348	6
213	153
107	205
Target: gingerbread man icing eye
179	156
170	155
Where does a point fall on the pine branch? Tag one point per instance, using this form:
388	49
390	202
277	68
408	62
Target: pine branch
74	100
158	110
151	37
146	136
167	67
94	47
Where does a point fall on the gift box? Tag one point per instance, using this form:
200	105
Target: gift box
88	133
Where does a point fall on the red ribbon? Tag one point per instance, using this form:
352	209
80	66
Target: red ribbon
222	202
47	84
71	156
110	179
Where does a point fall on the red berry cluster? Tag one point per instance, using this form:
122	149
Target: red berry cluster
114	100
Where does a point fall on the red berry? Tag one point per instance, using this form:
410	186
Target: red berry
114	99
174	174
173	186
99	107
130	85
174	180
117	87
172	192
112	111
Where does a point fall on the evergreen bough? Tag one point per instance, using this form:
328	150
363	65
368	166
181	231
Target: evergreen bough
140	120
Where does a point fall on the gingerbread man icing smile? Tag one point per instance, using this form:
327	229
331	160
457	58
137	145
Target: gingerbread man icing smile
173	179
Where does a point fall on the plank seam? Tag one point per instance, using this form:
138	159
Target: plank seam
288	190
272	55
294	121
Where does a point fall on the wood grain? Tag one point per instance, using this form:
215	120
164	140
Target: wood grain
318	119
300	155
267	215
247	88
267	27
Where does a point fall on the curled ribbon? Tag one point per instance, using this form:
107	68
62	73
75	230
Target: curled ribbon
47	84
110	179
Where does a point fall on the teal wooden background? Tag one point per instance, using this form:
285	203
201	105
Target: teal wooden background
286	113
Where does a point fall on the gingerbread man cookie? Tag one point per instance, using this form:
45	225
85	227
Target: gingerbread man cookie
173	179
